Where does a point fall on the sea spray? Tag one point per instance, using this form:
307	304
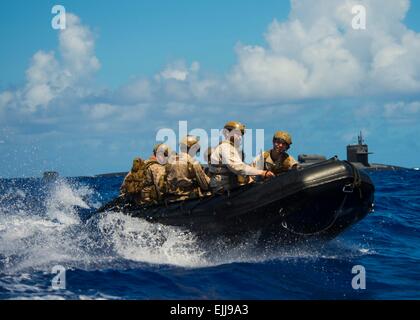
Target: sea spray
115	256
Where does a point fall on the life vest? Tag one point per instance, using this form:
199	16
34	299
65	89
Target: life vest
279	166
231	180
180	175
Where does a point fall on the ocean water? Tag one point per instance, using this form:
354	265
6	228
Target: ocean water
45	227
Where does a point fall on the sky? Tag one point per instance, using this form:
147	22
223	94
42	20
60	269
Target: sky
88	99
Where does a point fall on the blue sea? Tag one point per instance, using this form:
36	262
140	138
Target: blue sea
45	227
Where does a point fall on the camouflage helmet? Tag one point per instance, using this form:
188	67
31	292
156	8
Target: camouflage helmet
162	148
235	125
283	135
189	141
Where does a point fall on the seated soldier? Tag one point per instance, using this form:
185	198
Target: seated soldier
130	186
185	178
277	160
227	161
145	183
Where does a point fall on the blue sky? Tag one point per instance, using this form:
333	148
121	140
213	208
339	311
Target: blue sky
138	37
89	99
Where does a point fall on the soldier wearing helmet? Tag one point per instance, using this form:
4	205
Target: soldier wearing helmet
185	178
226	161
129	186
277	160
145	183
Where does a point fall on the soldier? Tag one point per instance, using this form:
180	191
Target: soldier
145	183
226	161
185	177
155	174
277	160
130	186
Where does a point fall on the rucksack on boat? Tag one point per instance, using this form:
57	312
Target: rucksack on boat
136	181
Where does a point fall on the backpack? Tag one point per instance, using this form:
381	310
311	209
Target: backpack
136	181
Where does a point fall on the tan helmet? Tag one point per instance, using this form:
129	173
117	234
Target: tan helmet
162	148
137	162
283	135
189	141
235	125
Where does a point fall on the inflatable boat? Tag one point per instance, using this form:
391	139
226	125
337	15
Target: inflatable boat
317	201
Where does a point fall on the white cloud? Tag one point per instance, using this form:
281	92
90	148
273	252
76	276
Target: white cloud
48	77
43	68
313	54
5	98
42	81
195	66
203	89
396	67
175	91
77	48
105	115
138	90
402	109
177	71
182	110
178	82
316	53
100	111
262	74
133	113
38	95
176	74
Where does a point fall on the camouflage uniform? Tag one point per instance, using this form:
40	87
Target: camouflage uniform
185	178
284	163
155	183
131	183
145	183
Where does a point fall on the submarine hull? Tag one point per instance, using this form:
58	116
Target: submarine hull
319	201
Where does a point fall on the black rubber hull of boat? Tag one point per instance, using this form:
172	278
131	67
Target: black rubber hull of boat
319	201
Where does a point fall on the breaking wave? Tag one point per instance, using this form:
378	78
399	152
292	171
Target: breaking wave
37	231
44	224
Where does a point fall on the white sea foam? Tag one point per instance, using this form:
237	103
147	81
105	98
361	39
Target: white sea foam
32	239
112	240
138	240
64	200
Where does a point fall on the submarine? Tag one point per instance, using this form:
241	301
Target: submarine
312	202
357	155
